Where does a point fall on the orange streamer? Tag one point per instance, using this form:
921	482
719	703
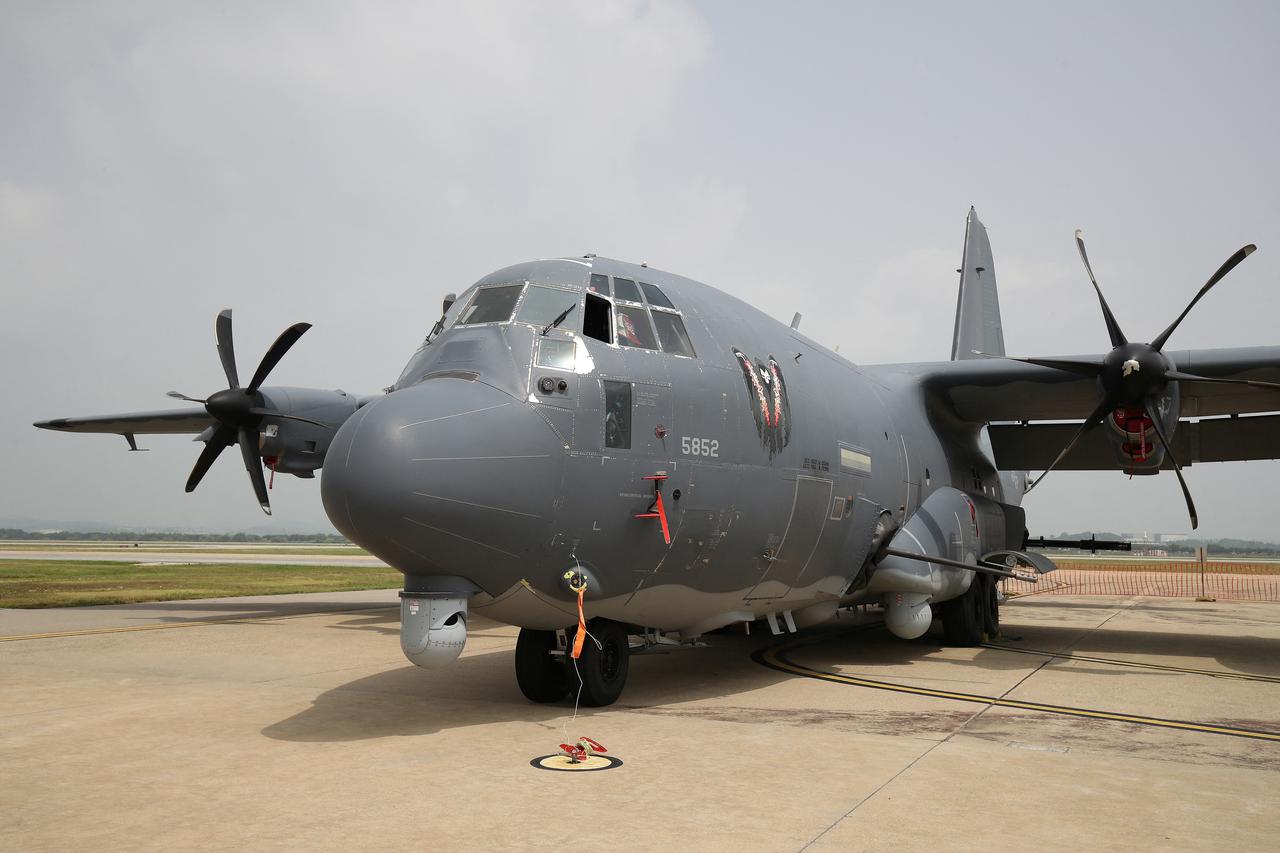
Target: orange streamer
580	637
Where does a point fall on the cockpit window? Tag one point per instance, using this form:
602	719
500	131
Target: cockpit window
492	305
543	304
656	296
632	326
625	288
617	414
596	319
599	284
556	353
672	334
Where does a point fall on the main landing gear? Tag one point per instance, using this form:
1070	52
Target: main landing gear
546	672
965	620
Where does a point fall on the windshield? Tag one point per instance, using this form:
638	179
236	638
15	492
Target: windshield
543	304
492	305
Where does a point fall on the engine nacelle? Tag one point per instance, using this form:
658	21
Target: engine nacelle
1132	435
433	628
295	446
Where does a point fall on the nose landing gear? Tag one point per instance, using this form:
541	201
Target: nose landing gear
540	670
546	672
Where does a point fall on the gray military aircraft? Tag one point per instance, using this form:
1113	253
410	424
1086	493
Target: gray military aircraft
690	463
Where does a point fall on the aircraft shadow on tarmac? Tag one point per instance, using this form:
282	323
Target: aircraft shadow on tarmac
480	688
231	609
1237	653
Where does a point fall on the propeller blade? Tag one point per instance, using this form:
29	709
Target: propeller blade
1084	368
253	464
1095	418
175	395
222	438
1227	266
268	413
1113	328
1191	377
1177	469
287	339
226	347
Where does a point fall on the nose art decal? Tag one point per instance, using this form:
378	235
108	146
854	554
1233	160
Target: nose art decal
769	402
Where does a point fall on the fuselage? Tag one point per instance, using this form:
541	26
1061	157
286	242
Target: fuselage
511	451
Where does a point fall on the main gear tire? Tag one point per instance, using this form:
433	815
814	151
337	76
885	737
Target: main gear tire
991	614
963	618
603	668
541	675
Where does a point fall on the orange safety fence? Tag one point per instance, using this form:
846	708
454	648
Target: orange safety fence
1234	581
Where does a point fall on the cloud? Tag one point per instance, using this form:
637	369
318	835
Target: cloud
343	164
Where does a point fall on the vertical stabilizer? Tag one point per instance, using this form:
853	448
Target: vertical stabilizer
978	307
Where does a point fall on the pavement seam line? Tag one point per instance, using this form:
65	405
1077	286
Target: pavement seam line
959	729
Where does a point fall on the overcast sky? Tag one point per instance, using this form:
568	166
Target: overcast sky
346	164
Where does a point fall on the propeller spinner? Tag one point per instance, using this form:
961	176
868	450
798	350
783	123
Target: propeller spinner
239	411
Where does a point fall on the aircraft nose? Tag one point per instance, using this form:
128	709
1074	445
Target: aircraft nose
449	477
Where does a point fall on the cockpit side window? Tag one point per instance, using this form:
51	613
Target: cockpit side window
597	319
655	296
632	327
599	284
491	305
672	334
631	318
617	414
625	289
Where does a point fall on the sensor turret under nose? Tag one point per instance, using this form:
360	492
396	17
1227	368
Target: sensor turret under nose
433	628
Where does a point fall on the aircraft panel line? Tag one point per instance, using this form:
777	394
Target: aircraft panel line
478	506
455	415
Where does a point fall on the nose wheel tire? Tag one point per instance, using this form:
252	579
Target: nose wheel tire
541	675
603	668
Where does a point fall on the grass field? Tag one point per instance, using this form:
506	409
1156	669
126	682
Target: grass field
189	547
64	583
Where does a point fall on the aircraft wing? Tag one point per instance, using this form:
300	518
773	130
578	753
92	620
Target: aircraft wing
996	389
1033	447
1008	394
169	421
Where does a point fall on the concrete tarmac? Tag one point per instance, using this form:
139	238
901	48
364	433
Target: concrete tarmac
293	721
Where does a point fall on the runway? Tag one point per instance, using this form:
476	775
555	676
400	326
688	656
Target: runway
293	721
202	556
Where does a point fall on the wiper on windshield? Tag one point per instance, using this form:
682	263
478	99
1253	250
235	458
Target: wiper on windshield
558	320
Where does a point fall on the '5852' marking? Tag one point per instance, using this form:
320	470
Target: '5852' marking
699	446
